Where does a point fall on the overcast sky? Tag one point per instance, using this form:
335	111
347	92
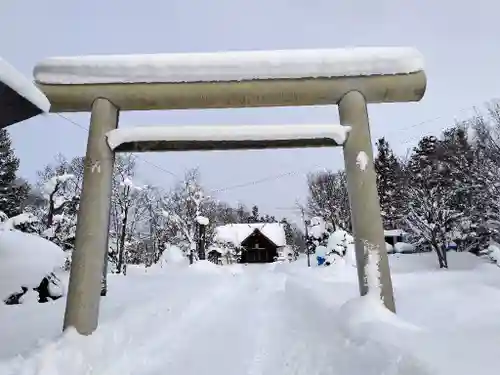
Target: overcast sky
459	39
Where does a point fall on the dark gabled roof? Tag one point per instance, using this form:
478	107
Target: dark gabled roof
15	108
237	233
20	98
258	231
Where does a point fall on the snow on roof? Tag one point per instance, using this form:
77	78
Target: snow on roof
394	232
229	66
237	233
25	259
24	87
24	218
202	220
117	137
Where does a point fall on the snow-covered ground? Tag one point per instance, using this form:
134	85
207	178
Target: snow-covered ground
270	319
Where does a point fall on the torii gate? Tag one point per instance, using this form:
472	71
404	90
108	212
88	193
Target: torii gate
106	85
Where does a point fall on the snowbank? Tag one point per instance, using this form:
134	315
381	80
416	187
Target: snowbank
403	247
494	252
382	336
229	66
446	323
290	319
366	318
25	259
204	266
209	268
24	87
16	221
173	256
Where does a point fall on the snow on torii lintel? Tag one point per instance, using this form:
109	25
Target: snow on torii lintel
207	133
23	86
229	66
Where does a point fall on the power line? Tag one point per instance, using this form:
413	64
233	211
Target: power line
144	160
291	173
281	175
262	180
219	190
431	120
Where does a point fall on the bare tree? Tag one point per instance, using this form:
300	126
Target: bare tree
125	213
150	223
328	198
181	207
59	185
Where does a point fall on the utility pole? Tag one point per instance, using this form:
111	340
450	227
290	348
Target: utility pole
306	234
191	256
201	241
300	207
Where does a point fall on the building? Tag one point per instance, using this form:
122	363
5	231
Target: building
257	242
20	99
394	236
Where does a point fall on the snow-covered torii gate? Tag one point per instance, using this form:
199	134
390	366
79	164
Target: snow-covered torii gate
106	85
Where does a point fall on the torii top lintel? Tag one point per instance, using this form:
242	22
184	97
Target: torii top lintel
232	79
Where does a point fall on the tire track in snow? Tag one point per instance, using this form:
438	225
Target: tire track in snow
264	341
232	338
164	344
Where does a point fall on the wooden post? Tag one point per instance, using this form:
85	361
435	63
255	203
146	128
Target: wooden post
308	250
201	241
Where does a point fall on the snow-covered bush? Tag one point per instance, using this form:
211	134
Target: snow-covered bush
329	243
493	253
172	256
3	217
318	234
25	222
404	248
55	218
221	252
184	209
28	263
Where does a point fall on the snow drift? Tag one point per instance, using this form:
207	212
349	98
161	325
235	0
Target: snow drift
25	259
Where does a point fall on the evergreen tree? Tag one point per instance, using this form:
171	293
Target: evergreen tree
390	185
242	214
12	194
468	186
487	169
423	159
428	216
267	219
254	217
288	231
443	189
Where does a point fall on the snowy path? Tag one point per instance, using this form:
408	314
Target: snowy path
265	320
